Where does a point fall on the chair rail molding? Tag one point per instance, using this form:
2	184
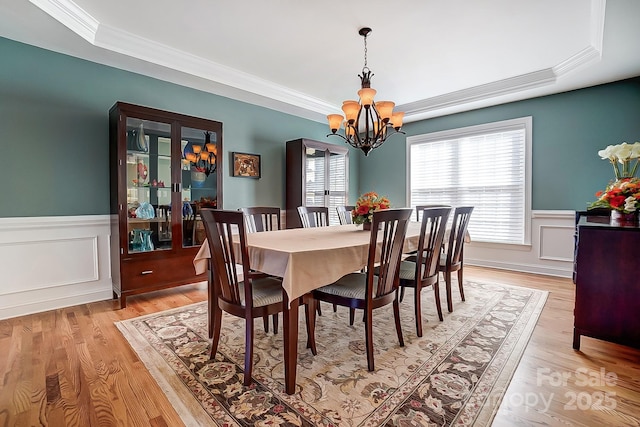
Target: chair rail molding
53	262
48	263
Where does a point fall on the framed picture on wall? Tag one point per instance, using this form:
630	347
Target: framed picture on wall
246	165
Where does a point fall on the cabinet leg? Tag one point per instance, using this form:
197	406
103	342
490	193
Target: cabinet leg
576	339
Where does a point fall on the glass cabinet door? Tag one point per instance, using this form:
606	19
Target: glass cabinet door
326	180
315	185
199	180
337	184
148	178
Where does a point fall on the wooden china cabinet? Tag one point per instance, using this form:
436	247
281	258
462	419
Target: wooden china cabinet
156	193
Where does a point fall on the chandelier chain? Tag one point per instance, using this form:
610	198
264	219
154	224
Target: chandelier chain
365	53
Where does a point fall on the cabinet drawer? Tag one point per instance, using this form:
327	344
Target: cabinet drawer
140	274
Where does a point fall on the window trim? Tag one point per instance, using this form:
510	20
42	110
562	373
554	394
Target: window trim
484	128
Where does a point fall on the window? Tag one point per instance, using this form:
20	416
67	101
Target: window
486	166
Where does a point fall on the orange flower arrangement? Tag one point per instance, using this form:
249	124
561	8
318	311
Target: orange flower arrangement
623	195
366	205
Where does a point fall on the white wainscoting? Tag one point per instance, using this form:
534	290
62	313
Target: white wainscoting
550	252
53	262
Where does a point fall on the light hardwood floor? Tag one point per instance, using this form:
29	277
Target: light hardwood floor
72	367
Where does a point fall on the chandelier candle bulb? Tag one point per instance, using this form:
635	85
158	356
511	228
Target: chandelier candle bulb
366	96
351	110
335	121
385	108
396	120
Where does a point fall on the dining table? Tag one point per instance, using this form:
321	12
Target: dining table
306	259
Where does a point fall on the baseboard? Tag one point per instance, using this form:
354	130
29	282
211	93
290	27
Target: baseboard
522	268
54	303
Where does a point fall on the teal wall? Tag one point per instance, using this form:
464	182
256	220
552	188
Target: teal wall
54	133
568	131
54	136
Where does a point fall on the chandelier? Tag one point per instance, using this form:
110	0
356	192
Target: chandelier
203	157
368	124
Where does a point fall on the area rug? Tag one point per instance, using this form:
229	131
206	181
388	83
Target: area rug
455	375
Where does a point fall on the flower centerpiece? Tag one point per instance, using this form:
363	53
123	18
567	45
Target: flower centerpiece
621	196
366	205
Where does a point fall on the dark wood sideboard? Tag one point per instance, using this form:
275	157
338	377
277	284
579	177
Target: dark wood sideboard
607	282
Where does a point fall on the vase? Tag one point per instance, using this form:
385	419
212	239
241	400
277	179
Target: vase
141	241
136	241
187	210
623	219
197	179
147	244
141	140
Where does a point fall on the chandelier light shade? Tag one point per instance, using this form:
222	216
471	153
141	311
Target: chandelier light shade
203	158
366	124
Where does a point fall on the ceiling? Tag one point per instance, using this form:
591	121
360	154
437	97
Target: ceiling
432	57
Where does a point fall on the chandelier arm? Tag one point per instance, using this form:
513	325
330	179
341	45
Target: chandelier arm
341	136
379	132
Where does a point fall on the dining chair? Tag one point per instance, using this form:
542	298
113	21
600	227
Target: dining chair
366	290
423	272
344	214
257	295
258	219
261	218
421	208
313	216
452	258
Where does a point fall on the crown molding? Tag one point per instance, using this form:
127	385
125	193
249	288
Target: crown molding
588	55
130	44
477	93
71	16
277	96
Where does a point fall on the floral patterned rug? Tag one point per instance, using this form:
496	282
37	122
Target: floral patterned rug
455	375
